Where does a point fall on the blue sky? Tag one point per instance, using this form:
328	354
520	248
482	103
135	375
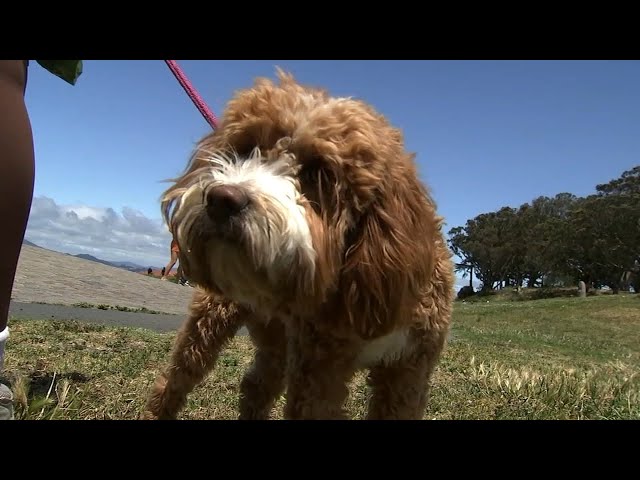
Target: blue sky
487	134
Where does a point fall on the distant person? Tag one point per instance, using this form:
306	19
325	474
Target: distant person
175	250
149	271
164	269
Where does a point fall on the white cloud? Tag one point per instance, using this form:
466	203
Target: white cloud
101	232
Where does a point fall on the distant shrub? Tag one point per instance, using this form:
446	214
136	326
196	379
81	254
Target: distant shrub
546	292
466	292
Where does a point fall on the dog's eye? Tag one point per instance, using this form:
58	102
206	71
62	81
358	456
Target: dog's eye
308	174
311	170
316	179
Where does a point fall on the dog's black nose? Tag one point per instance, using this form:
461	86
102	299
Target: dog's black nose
224	201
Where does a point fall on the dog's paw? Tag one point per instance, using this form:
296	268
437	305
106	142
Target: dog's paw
147	415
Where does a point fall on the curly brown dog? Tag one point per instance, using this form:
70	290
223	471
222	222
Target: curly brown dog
302	218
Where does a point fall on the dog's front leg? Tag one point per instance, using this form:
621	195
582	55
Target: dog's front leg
319	368
211	324
265	380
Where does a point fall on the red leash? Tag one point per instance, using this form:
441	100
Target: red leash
193	94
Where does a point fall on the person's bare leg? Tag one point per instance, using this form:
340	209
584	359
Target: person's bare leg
172	262
17	172
179	272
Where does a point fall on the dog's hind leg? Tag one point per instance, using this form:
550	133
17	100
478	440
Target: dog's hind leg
400	390
320	366
210	326
265	380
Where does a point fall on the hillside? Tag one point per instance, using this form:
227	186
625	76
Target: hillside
30	244
51	277
132	267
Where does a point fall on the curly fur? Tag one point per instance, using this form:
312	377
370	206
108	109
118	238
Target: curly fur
337	264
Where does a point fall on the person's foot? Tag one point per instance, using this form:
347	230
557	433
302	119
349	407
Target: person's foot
6	403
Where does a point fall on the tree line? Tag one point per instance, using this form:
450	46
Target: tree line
557	241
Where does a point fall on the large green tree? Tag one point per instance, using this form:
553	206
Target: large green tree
595	239
603	241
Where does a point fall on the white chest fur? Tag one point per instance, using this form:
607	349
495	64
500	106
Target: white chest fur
385	349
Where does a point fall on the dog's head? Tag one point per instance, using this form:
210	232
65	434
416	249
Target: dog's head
298	197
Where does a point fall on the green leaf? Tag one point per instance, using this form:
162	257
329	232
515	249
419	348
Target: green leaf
68	70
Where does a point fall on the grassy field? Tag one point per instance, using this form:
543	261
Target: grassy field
561	358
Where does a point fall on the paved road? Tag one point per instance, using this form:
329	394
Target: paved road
38	311
156	322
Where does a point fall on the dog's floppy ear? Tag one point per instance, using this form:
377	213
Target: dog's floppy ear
390	258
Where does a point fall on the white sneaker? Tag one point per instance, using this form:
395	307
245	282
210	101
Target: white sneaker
6	403
6	395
